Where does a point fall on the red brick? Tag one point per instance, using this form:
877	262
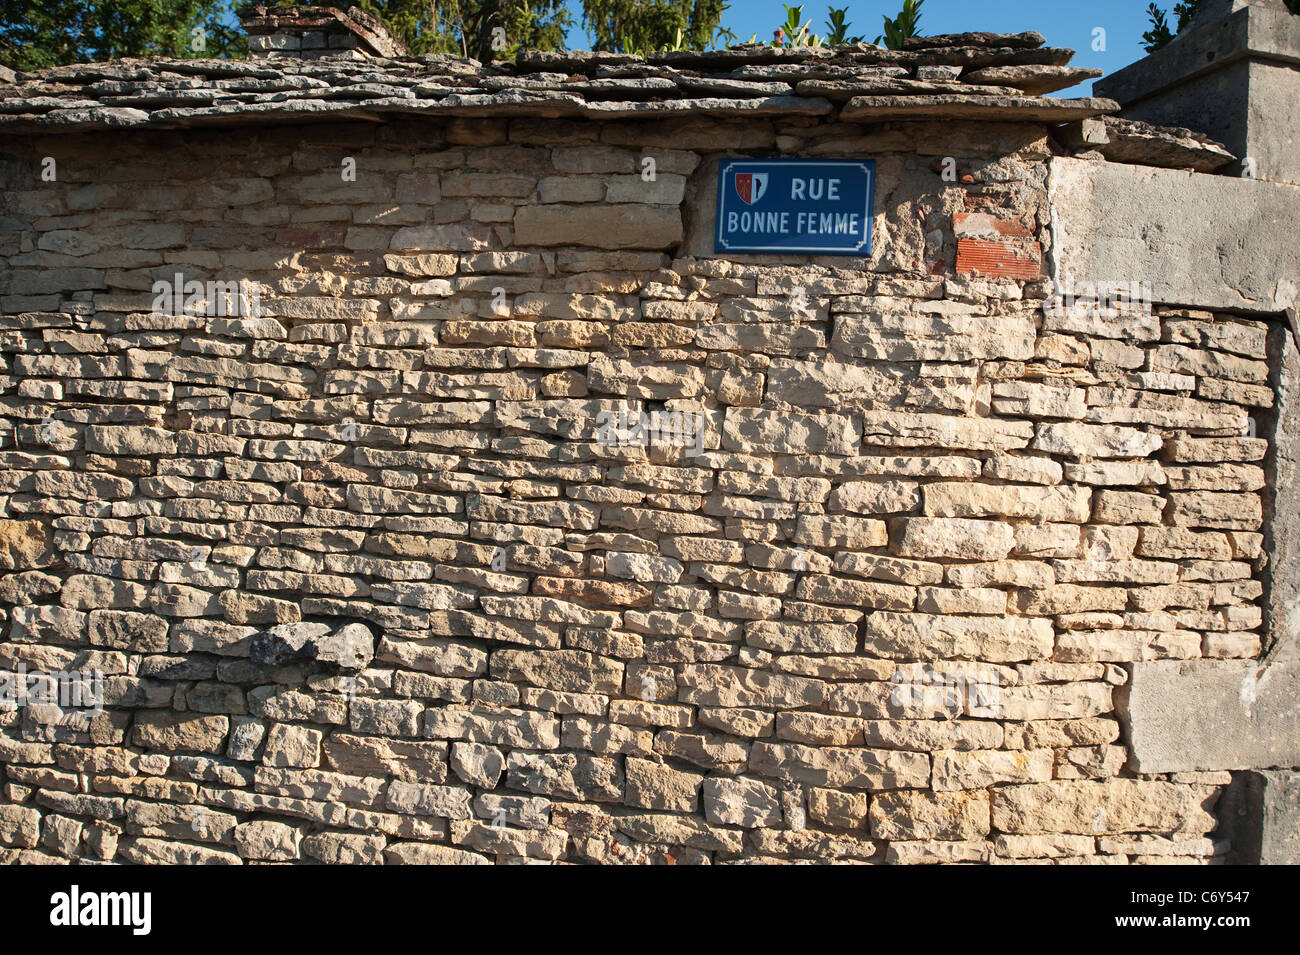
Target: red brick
1005	258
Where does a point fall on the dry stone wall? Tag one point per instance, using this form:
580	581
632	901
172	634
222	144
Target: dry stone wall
368	580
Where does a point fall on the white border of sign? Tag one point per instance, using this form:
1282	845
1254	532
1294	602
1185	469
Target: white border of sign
727	165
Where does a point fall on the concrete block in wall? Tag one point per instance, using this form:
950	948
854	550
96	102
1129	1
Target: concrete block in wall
1199	240
1190	715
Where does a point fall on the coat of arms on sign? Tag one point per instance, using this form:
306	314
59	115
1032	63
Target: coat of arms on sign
750	186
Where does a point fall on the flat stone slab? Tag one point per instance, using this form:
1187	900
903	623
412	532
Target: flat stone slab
1171	146
773	105
1195	715
1027	40
1143	144
847	89
947	106
1034	79
972	57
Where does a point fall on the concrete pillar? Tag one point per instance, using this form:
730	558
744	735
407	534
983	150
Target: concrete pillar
1233	74
1258	816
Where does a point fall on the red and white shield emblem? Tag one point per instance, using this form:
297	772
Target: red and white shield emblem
750	186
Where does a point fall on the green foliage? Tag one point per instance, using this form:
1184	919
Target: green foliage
796	30
906	24
678	42
469	27
838	27
40	33
1160	34
724	38
640	26
539	25
1185	12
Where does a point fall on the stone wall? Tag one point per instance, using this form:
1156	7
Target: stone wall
366	584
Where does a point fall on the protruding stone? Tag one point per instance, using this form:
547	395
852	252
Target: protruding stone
350	647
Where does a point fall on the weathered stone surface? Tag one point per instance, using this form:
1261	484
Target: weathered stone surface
1174	147
497	726
24	545
929	636
907	430
964	107
448	802
1042	504
418	853
568	776
350	647
652	785
900	337
953	538
1095	441
840	768
910	815
1035	79
1256	714
292	746
370	756
267	841
979	769
20	826
885	497
1093	808
617	226
565	670
161	852
344	848
782	433
747	803
477	764
180	733
1167	198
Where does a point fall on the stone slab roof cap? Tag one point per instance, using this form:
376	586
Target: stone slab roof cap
321	64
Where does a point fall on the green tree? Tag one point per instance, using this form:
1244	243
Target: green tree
1160	34
482	29
906	24
637	26
40	33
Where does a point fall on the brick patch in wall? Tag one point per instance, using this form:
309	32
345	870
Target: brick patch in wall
1004	258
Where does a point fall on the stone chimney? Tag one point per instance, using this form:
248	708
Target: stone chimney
316	31
1233	74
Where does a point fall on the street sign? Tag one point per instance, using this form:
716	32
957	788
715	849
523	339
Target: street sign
817	206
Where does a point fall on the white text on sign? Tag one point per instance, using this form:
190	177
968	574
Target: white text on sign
806	223
814	188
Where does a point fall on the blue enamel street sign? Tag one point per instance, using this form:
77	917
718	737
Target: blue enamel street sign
819	206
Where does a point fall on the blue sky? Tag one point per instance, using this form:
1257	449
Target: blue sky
1064	24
